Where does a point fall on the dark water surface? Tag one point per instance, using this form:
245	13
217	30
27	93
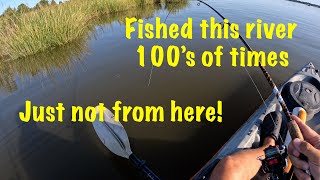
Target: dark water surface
105	68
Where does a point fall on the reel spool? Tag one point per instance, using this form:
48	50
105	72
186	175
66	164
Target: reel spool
275	161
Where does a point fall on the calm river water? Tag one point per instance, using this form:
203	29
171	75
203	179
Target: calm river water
104	68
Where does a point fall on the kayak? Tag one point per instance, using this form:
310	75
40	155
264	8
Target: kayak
248	136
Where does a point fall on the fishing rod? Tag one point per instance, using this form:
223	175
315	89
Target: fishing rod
113	135
293	127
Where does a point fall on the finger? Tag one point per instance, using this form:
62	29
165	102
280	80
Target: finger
301	175
307	149
299	163
292	150
306	131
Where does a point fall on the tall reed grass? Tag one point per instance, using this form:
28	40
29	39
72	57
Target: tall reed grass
62	58
53	26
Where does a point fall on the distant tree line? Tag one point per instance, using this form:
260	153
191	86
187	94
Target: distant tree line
22	8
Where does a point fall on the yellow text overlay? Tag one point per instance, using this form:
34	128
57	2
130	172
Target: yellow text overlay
174	55
122	113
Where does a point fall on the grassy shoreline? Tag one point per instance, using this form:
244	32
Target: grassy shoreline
56	25
62	59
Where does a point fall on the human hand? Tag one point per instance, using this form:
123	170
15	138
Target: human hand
310	147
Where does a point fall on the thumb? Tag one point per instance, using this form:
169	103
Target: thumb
306	131
308	150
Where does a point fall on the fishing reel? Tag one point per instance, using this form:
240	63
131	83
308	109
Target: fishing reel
275	161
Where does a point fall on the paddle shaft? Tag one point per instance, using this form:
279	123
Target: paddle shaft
141	165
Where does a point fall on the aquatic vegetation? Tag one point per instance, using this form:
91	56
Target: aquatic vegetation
51	26
46	63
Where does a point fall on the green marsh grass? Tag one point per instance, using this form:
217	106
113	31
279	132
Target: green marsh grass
52	26
62	58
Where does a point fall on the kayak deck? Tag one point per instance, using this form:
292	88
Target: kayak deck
248	136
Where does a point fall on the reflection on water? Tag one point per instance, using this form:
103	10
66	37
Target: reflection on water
43	63
176	7
139	12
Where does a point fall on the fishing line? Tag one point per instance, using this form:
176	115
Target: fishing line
261	97
151	71
292	125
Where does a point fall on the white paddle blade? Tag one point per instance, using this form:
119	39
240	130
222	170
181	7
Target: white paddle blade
112	134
